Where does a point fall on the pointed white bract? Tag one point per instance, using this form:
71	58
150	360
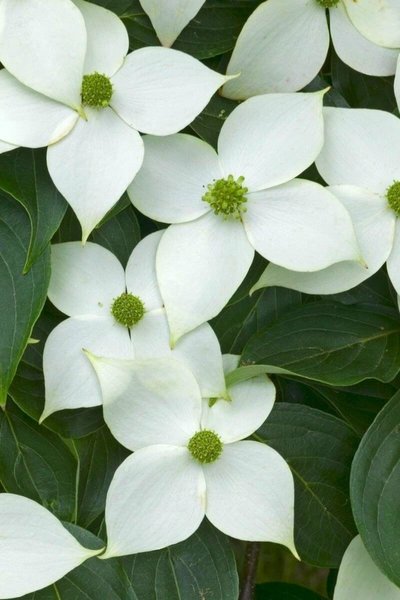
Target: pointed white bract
284	44
170	17
161	493
35	549
357	51
374	225
360	579
361	158
84	284
207	251
51	49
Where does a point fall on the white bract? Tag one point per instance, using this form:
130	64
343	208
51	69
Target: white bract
361	161
188	459
170	17
284	43
225	206
360	579
113	313
87	100
35	549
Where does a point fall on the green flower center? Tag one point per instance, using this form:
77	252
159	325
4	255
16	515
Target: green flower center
328	3
227	197
127	309
393	197
97	90
205	446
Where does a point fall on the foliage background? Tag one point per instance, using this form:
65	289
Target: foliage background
340	355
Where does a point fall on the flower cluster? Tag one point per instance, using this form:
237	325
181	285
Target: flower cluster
136	340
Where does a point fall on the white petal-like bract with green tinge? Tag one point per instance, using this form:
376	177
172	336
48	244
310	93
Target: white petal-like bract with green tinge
35	549
360	579
186	448
170	17
224	207
87	99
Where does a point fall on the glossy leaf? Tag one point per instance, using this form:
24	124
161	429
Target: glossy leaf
330	343
319	449
202	565
24	175
22	296
375	484
36	463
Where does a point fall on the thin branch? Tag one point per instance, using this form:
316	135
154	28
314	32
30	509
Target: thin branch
250	571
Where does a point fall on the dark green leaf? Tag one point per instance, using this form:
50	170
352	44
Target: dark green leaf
36	463
362	91
24	175
119	233
99	456
375	485
330	343
209	122
213	31
22	296
201	567
319	449
284	591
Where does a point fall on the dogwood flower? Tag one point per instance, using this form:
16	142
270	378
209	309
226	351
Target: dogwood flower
112	313
361	160
170	17
372	222
360	579
93	100
189	460
284	43
35	549
224	207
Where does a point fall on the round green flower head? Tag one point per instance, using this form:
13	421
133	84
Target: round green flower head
205	446
393	197
127	309
97	90
227	197
328	3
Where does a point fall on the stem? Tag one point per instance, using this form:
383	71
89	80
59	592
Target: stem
250	570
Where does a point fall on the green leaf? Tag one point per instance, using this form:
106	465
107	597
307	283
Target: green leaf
246	315
208	123
22	296
284	591
99	457
201	567
213	31
319	449
36	463
24	175
119	231
362	91
375	485
330	343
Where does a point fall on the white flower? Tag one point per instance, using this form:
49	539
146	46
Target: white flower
188	459
204	256
361	161
170	17
87	100
35	549
112	313
284	43
360	579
